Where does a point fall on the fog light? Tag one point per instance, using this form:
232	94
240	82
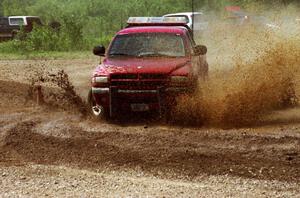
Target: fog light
100	79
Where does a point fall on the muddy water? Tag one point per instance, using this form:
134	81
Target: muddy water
61	93
259	76
252	73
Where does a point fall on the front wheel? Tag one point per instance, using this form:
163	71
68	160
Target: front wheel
97	111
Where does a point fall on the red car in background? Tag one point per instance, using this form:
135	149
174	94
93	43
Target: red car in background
147	65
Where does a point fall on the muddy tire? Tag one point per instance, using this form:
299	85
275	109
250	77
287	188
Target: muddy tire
96	111
168	109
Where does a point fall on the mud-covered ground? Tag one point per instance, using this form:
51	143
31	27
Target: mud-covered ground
46	151
239	136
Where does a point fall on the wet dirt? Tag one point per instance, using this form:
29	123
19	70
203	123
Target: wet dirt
58	137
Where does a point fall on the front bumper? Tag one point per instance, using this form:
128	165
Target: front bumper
115	98
175	90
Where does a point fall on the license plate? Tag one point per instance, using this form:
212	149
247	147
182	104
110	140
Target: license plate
139	107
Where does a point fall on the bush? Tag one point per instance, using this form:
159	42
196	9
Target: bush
40	39
46	39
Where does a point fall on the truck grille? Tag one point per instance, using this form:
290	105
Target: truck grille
138	84
123	76
138	81
152	76
138	76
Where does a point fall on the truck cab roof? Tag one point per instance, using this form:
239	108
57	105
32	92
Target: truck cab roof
23	17
24	20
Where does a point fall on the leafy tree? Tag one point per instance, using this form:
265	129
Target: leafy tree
90	21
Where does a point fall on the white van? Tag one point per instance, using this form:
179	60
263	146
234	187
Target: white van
195	20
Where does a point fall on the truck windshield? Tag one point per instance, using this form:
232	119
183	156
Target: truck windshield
148	45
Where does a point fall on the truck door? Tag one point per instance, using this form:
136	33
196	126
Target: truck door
194	59
199	63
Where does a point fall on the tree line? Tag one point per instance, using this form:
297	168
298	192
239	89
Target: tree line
98	20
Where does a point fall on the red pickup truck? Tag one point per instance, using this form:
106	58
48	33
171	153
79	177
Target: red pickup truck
147	65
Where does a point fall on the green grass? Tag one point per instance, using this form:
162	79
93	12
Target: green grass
47	55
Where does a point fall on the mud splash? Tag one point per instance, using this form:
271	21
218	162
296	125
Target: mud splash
244	94
57	90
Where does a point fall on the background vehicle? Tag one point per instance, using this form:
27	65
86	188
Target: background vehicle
199	24
10	26
146	66
5	31
237	17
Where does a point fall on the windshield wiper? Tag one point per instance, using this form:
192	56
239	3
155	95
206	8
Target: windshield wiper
119	54
154	55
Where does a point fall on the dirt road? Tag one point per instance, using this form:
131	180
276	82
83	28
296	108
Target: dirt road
47	151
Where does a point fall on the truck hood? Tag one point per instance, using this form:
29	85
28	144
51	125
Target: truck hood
141	65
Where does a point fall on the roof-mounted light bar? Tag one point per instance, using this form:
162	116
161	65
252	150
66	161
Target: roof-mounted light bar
156	20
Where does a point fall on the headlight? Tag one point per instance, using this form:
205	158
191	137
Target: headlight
100	79
179	80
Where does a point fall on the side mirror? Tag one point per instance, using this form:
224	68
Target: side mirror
200	50
99	50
